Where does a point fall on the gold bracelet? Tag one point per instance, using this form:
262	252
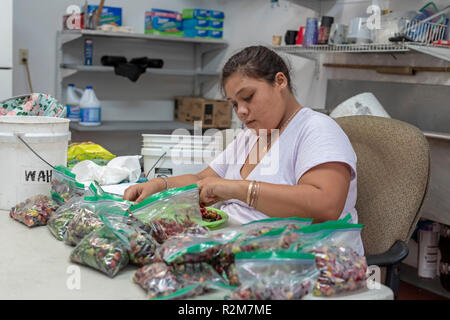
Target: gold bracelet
258	186
250	187
252	197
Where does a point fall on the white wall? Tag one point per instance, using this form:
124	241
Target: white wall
247	22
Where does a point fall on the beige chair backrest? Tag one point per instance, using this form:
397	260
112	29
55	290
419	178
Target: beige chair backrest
393	172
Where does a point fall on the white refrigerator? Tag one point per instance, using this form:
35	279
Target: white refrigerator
6	49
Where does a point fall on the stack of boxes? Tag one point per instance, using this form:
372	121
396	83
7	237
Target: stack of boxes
163	22
192	23
202	23
212	113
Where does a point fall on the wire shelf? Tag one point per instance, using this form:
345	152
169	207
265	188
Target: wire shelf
344	48
424	32
353	48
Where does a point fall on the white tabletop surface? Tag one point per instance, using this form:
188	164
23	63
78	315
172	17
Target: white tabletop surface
34	265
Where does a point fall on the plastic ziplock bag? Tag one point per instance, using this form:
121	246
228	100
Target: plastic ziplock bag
293	239
189	248
64	185
103	250
161	281
34	211
87	218
157	279
60	220
140	244
341	267
36	104
171	212
339	232
259	227
267	241
275	275
78	152
224	264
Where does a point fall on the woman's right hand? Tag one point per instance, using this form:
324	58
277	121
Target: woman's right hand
141	191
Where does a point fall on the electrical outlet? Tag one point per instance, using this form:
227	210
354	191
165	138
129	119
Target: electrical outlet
23	55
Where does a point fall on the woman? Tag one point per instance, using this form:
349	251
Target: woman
311	169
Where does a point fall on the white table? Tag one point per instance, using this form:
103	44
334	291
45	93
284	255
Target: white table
34	265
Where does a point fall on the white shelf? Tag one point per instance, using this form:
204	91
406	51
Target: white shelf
167	72
197	74
71	34
441	52
133	126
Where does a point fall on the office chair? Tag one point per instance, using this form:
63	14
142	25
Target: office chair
393	170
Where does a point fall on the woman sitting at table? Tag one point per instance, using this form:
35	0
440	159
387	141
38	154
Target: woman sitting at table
290	161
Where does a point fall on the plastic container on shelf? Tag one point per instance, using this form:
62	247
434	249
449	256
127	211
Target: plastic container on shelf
73	97
90	108
23	173
428	250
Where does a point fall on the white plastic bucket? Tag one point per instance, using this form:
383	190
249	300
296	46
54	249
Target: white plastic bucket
23	174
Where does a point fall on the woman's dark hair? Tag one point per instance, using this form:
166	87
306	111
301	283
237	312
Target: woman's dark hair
256	62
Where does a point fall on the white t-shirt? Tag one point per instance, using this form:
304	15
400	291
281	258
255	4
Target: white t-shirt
310	138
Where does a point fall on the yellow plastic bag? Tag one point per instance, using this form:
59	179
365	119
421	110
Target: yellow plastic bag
88	151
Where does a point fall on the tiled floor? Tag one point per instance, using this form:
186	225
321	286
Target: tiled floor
410	292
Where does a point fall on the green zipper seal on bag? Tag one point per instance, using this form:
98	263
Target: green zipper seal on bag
90	199
68	174
329	225
113	197
162	195
96	188
178	292
57	197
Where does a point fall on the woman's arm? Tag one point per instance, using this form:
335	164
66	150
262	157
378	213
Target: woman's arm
320	193
141	191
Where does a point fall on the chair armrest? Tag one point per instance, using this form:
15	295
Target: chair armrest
394	255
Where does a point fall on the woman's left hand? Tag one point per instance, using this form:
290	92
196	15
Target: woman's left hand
213	190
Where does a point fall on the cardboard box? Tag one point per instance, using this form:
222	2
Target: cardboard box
110	15
195	14
212	113
164	22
